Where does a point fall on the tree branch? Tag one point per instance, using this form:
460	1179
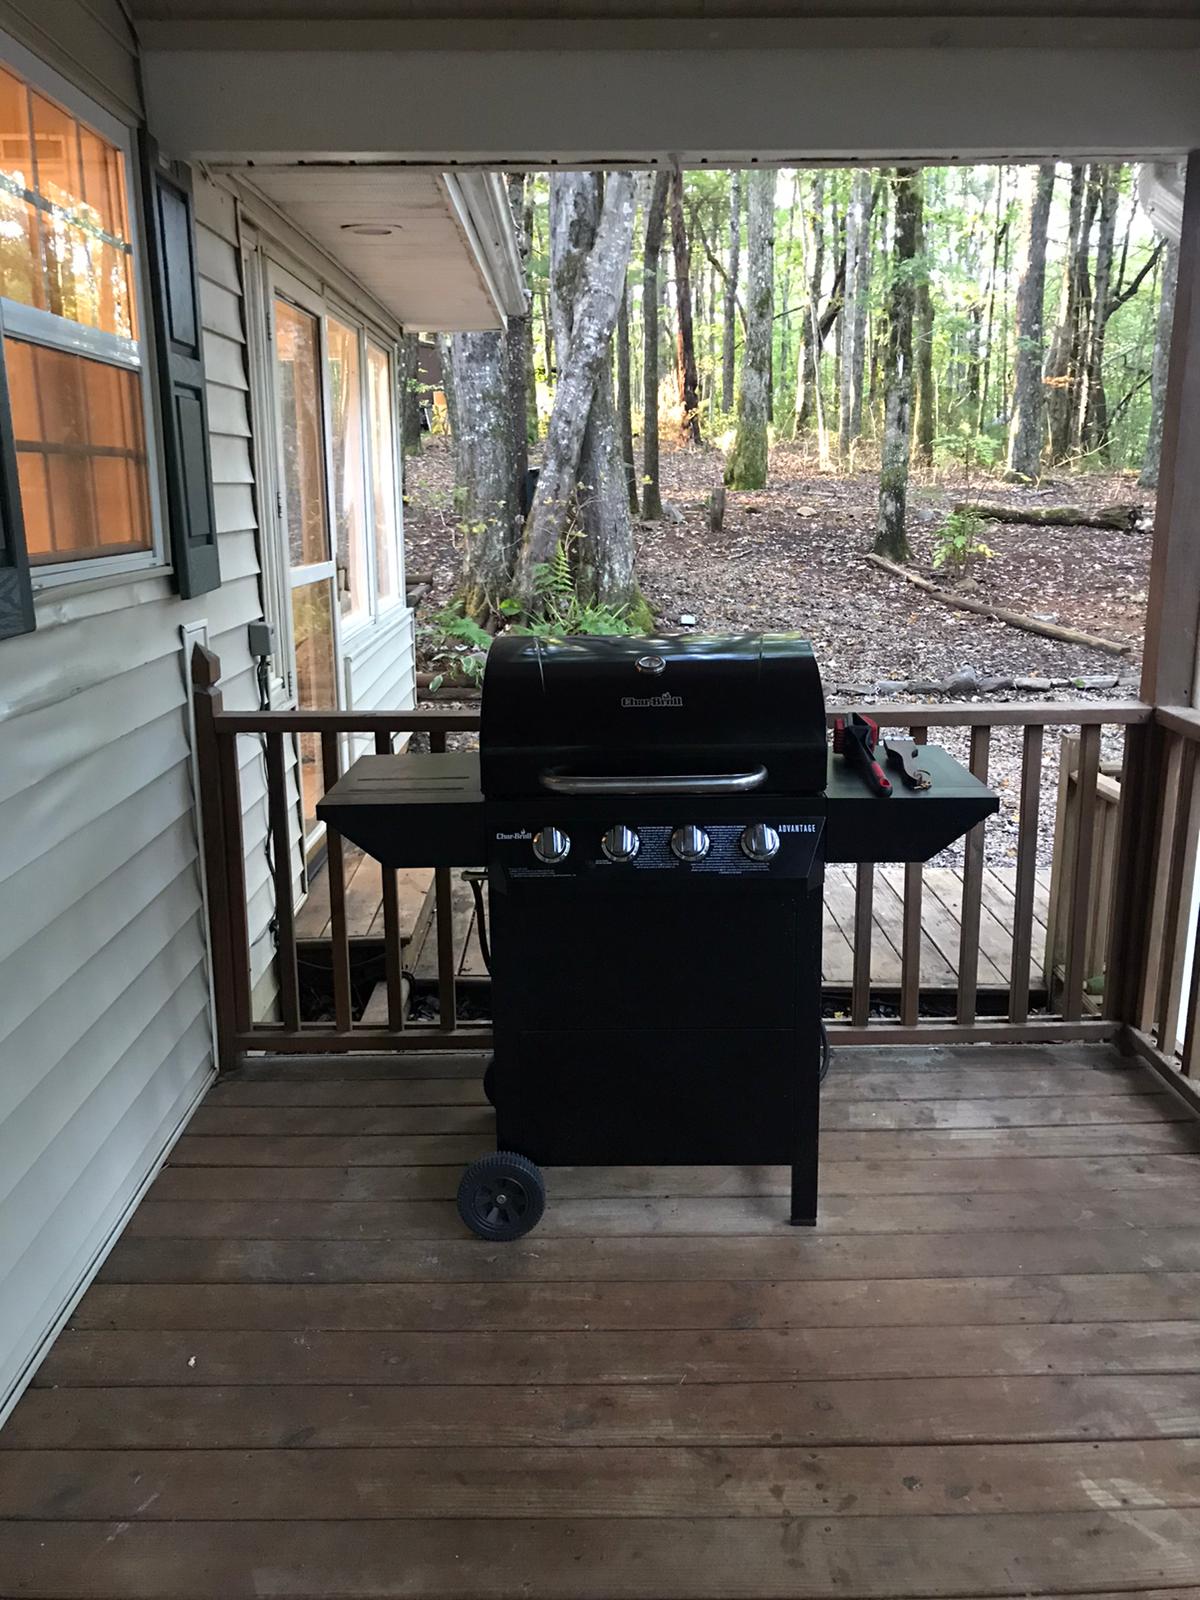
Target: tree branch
1117	300
698	227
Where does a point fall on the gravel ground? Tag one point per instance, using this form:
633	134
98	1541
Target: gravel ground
791	558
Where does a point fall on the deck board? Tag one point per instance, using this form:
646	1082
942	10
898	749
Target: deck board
297	1375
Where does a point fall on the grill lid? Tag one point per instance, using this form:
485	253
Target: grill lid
703	713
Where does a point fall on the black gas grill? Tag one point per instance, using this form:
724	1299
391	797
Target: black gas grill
655	815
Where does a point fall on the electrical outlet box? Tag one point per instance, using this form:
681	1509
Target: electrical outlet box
261	637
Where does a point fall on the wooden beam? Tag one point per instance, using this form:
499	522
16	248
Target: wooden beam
1173	610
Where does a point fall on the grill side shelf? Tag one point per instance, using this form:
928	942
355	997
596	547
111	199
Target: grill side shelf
411	810
910	824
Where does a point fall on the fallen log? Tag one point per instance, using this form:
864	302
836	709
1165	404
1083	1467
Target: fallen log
1116	518
1013	619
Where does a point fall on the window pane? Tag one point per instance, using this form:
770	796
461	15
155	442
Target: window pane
383	474
312	627
20	253
81	454
349	492
85	250
298	375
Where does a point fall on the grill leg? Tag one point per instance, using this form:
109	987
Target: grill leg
804	1192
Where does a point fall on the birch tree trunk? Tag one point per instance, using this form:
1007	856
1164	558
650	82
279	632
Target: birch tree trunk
1026	426
747	468
807	375
1158	371
891	539
625	402
729	333
689	388
926	395
590	279
486	498
655	218
861	302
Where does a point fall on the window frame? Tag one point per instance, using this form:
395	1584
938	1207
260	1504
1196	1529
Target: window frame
44	328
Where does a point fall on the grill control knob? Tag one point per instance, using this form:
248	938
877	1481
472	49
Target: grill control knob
620	843
690	843
760	842
551	845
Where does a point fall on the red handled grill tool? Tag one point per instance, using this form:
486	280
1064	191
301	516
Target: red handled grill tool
854	739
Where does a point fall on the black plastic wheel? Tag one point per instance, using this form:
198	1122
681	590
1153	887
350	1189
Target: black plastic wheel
824	1052
501	1196
489	1081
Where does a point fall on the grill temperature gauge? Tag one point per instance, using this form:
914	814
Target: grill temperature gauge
760	842
551	845
620	843
690	843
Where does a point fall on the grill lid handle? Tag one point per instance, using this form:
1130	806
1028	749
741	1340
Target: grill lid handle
682	783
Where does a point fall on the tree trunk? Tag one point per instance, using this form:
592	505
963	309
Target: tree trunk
848	330
592	281
747	467
1094	427
861	302
655	216
923	336
689	389
1158	370
807	371
520	331
890	537
1025	429
1060	372
410	395
447	359
605	555
625	402
729	335
485	498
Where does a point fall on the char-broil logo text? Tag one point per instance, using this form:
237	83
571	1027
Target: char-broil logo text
663	699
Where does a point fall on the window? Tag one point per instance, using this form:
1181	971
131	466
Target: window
349	486
69	302
383	475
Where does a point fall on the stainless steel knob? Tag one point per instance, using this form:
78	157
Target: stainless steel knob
620	843
551	845
760	842
690	843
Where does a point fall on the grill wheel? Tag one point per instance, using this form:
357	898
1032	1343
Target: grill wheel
501	1196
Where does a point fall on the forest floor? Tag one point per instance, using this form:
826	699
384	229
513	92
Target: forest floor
791	557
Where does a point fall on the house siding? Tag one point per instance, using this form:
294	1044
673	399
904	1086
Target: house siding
91	42
105	1036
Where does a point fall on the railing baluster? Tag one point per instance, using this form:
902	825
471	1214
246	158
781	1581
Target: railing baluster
281	870
1074	973
443	889
393	952
229	779
331	771
1191	1037
1166	816
910	947
1127	940
1027	854
864	906
972	890
1177	911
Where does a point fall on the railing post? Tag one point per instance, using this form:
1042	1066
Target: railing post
207	703
1129	936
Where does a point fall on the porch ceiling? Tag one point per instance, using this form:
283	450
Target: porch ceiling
441	263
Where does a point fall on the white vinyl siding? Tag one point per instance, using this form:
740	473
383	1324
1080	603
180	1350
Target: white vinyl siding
89	41
105	1039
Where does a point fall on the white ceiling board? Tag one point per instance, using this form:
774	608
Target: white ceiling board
424	272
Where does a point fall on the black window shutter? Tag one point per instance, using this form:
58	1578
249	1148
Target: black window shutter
175	297
16	595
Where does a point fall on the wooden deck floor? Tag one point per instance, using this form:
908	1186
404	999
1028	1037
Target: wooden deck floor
940	923
298	1376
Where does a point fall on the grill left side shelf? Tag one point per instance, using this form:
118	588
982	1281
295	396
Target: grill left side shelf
411	811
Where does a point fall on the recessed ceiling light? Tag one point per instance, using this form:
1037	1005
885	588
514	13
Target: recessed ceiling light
370	230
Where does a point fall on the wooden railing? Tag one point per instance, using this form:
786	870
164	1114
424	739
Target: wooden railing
1143	898
1075	1014
1160	1000
224	848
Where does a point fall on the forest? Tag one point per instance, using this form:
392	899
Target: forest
932	367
